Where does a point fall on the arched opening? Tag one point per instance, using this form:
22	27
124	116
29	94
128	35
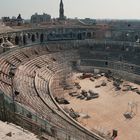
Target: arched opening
71	34
24	39
41	38
16	40
89	35
93	34
131	67
33	38
29	36
5	39
136	37
1	40
123	48
120	58
37	35
79	36
129	25
9	38
106	63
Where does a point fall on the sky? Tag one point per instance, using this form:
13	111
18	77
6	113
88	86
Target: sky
99	9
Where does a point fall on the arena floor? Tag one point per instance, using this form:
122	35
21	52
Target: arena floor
106	112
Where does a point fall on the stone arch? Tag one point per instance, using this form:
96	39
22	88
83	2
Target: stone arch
106	63
24	39
136	37
33	38
71	34
17	40
129	25
123	48
5	39
120	57
29	35
9	38
93	34
41	37
79	36
89	34
1	40
37	35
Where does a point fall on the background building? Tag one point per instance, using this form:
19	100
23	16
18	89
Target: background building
13	21
40	18
61	11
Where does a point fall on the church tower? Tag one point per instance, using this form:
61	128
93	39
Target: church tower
61	11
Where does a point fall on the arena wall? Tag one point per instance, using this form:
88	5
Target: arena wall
99	49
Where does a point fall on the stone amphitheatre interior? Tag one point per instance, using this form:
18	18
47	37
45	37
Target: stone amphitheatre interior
70	79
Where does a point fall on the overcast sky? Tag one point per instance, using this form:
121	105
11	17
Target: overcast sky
116	9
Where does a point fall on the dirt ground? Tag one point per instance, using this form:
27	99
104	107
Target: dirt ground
106	112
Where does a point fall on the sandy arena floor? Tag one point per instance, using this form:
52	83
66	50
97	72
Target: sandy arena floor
106	112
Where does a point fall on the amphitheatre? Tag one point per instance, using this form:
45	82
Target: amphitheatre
72	81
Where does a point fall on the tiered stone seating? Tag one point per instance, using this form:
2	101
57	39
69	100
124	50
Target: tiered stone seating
15	58
33	72
31	99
